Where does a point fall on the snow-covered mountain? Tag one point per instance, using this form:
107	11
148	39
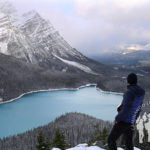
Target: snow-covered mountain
13	41
34	39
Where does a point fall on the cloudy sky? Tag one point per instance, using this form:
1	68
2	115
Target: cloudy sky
94	26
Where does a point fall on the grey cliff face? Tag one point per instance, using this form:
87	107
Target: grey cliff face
34	40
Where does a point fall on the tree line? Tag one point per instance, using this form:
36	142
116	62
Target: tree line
67	131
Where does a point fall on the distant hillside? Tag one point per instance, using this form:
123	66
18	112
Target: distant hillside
137	58
77	128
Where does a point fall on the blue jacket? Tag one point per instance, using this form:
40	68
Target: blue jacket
131	104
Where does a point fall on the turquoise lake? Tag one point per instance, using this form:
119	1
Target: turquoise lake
35	109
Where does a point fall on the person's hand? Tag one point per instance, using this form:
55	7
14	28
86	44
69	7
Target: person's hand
119	108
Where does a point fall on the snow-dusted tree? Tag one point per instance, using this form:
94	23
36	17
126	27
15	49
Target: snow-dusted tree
59	140
42	143
104	135
96	136
99	137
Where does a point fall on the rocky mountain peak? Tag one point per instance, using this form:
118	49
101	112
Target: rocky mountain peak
7	7
4	21
33	39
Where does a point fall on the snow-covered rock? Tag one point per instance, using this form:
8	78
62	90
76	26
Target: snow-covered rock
135	148
56	149
143	122
86	147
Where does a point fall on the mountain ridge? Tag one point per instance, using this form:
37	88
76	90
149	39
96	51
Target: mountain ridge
42	56
36	41
18	77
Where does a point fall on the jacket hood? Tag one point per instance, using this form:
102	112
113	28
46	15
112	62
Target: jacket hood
138	91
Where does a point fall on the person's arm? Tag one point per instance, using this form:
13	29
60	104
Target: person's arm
126	106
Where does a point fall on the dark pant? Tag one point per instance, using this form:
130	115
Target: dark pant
119	129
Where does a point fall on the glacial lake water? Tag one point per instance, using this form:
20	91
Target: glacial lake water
35	109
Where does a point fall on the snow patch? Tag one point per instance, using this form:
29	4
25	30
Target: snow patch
56	149
86	147
3	48
143	122
2	15
77	65
138	74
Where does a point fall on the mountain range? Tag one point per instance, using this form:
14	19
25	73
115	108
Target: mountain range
35	41
34	56
140	58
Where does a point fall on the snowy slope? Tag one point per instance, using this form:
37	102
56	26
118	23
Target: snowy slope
12	41
86	147
43	33
76	64
33	39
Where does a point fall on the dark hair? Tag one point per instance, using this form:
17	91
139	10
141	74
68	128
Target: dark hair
132	78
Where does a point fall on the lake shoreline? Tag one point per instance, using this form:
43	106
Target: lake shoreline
48	90
108	92
42	106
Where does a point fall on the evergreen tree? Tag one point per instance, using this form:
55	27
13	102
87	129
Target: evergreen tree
99	137
42	143
104	136
59	140
96	136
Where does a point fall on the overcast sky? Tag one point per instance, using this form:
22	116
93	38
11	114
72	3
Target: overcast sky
93	26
